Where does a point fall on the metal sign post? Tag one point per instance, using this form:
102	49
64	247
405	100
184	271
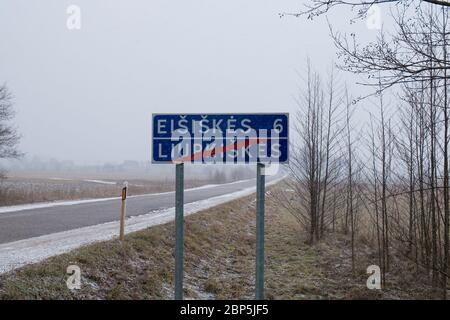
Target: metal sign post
179	234
260	194
220	138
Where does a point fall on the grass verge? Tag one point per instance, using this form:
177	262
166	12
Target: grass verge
219	263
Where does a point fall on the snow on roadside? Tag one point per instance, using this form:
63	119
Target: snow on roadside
101	182
19	253
207	186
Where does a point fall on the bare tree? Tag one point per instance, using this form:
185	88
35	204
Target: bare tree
414	57
350	197
315	157
314	8
405	187
446	268
9	138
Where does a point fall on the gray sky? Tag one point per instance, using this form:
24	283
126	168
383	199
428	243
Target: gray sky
88	95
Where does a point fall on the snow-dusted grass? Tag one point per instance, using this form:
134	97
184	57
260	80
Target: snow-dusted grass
219	263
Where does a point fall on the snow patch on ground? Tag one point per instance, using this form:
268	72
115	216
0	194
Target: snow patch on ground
101	182
60	179
19	253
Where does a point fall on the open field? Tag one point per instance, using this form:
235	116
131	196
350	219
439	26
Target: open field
22	190
219	263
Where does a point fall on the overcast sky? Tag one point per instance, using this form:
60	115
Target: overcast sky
87	95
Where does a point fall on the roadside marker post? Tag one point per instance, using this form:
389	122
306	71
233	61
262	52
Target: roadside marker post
261	138
123	211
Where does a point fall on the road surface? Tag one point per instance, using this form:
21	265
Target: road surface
33	222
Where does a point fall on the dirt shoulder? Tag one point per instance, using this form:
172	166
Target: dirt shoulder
219	264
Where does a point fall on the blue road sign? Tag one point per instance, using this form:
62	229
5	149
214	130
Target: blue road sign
220	138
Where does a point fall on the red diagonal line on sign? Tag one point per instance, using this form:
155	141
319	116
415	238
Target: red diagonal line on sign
232	146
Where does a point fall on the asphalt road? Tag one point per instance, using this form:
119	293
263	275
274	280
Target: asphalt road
30	223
